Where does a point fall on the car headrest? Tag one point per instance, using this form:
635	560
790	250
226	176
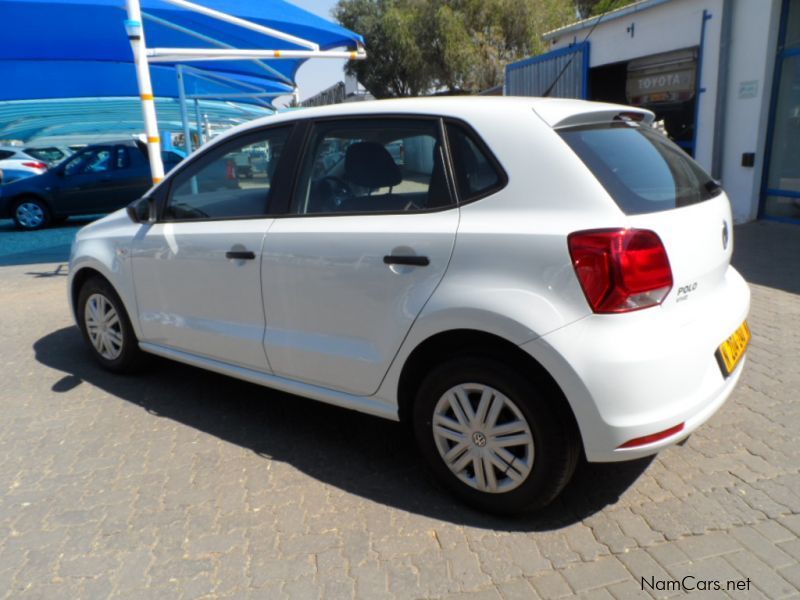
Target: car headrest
369	164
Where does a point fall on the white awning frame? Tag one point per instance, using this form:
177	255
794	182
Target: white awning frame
143	56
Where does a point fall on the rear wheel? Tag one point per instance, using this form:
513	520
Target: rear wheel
106	327
493	437
31	214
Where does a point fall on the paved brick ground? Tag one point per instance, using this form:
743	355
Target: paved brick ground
184	484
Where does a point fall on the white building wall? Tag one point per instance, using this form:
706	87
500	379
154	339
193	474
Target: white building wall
675	24
754	33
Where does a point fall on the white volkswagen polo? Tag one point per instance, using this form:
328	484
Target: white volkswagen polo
522	280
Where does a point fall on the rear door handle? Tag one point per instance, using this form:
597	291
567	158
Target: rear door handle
418	261
240	254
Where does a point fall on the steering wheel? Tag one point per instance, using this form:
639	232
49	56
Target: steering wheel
334	190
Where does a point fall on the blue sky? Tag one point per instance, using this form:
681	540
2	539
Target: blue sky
318	73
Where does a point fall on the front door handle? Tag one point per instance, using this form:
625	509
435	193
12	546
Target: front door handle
240	254
417	261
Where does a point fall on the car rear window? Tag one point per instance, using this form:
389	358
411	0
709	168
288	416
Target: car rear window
49	155
639	167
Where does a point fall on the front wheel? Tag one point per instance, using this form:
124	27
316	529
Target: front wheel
494	438
31	214
106	327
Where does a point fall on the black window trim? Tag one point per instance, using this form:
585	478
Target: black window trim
164	193
487	152
310	123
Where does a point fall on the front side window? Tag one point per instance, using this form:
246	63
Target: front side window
96	160
234	181
372	166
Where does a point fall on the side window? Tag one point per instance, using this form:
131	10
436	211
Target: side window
372	166
122	159
100	162
4	154
229	182
97	160
475	173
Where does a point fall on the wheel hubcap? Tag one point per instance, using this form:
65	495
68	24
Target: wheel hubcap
483	438
103	326
30	214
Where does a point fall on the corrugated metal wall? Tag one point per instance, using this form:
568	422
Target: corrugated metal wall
533	76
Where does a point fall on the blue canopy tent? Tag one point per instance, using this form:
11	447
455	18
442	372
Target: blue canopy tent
247	50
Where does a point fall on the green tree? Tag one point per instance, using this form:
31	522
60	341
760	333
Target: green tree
589	8
421	46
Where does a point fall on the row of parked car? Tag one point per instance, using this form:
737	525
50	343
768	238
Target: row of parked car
40	186
18	162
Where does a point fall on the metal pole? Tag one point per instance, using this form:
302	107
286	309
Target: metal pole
187	132
199	122
136	36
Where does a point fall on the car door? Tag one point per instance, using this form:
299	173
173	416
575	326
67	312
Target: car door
364	243
197	269
85	180
130	178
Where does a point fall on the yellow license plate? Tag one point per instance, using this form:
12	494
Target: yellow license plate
731	351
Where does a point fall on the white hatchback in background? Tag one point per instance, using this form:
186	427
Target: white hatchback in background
520	279
14	159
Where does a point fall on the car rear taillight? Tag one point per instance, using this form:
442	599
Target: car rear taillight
620	270
35	165
653	437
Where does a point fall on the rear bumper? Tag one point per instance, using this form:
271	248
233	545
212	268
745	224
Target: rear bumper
634	375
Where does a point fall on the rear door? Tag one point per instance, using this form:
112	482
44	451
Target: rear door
130	178
661	188
362	247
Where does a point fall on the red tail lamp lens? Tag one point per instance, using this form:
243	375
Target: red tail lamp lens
654	437
620	270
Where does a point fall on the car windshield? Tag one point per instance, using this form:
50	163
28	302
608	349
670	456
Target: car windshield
641	169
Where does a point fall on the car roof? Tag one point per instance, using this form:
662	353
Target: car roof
19	149
552	110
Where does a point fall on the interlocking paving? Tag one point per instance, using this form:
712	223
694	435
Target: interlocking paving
180	483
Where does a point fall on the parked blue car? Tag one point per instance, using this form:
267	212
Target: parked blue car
97	179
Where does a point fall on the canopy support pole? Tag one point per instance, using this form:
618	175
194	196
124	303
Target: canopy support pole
187	132
136	36
200	134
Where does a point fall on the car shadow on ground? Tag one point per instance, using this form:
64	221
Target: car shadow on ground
367	456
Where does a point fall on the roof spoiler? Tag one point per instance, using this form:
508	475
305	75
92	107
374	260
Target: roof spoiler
570	114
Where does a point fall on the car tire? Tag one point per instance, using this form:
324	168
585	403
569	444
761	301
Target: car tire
31	213
106	327
512	454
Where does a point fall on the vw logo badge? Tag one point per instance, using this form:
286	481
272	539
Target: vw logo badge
725	235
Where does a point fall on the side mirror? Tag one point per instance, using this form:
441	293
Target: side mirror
139	211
